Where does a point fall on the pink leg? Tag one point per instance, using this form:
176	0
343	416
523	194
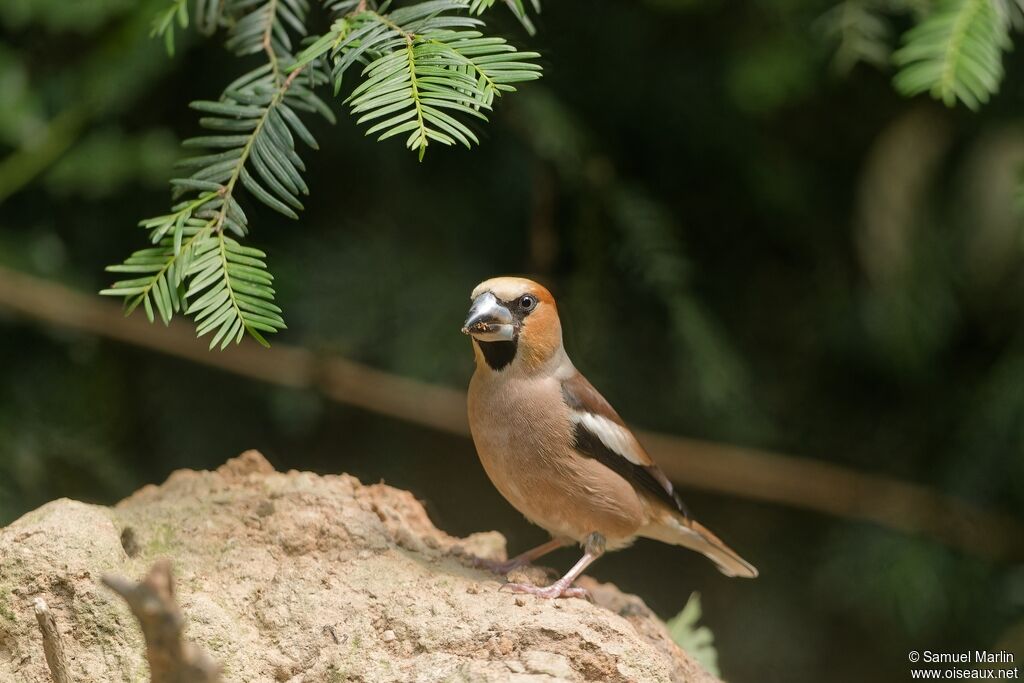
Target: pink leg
563	588
521	559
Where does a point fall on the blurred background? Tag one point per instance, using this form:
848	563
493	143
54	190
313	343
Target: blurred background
753	239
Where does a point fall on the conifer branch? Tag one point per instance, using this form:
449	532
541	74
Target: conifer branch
955	54
422	74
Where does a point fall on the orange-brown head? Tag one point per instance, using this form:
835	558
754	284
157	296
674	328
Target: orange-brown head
513	322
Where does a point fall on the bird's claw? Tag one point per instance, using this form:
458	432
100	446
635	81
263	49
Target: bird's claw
553	591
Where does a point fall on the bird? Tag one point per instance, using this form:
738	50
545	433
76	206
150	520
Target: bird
557	450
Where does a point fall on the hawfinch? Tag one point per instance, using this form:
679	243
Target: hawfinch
555	448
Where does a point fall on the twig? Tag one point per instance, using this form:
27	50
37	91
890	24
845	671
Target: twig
744	472
53	647
291	77
172	659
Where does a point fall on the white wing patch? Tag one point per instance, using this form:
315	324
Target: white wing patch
616	437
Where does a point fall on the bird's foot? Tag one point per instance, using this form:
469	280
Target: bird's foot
555	590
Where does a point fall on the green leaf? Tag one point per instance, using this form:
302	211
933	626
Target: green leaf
227	109
697	641
163	23
261	194
955	53
231	293
515	6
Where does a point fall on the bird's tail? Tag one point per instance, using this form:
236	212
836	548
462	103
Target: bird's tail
695	536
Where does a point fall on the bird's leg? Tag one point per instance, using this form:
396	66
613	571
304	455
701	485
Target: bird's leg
563	588
522	558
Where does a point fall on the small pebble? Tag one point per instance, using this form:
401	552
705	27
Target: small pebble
389	635
520	602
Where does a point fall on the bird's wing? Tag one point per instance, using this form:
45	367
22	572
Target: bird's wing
601	434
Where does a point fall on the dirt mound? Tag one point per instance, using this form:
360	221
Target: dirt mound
299	577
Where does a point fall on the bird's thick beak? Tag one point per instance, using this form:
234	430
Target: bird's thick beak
489	320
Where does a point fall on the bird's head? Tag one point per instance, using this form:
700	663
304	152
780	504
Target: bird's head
513	321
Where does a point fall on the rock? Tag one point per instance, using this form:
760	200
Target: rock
557	666
305	578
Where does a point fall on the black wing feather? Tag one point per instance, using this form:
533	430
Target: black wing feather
590	445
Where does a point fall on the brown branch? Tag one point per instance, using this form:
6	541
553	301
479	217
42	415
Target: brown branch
748	473
53	646
172	659
291	77
831	489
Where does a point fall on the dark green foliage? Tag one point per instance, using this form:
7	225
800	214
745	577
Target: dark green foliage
861	32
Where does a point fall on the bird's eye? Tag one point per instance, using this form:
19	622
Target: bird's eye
527	302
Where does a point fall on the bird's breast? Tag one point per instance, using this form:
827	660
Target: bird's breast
523	433
518	422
